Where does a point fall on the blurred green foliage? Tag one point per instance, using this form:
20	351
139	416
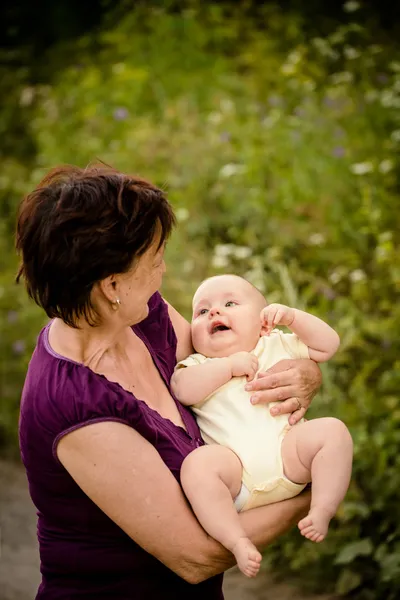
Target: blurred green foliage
280	154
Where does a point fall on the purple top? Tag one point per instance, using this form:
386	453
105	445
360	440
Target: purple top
83	553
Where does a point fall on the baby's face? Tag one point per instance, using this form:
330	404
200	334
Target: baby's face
226	316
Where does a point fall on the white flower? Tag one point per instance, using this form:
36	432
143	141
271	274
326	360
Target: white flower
27	96
389	99
361	168
226	105
223	250
385	166
335	277
182	214
215	118
219	262
351	53
316	239
342	77
395	135
324	48
118	68
351	6
188	265
242	252
357	275
231	169
288	69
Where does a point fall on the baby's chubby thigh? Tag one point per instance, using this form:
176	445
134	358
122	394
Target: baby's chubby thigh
301	444
207	467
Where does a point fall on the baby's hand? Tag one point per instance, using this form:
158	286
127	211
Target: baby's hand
276	314
243	363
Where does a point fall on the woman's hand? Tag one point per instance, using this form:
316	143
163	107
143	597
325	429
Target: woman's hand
293	382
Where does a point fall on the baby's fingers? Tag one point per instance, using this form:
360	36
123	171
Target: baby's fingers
252	370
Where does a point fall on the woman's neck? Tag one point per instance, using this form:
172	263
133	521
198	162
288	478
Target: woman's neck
88	345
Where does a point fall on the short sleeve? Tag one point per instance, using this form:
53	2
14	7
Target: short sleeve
293	344
86	398
191	361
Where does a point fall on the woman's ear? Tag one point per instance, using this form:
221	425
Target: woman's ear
108	287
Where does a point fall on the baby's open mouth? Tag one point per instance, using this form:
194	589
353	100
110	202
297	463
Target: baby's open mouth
219	327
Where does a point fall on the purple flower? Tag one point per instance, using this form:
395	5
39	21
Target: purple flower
330	102
329	293
300	112
339	132
275	100
12	316
19	347
225	136
120	113
382	78
338	152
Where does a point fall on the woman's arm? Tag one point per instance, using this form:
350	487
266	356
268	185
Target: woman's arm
291	381
182	332
125	477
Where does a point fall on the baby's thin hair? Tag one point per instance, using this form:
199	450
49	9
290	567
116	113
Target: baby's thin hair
239	277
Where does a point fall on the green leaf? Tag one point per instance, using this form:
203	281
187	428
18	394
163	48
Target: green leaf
351	551
347	582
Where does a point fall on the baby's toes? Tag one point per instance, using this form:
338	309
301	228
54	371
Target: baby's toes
304	523
307	531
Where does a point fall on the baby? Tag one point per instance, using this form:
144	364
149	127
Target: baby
252	458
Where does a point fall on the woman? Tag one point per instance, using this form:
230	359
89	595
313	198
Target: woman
101	436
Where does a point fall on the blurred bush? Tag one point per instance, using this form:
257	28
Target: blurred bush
280	154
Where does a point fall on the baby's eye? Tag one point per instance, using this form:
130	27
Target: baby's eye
231	303
202	311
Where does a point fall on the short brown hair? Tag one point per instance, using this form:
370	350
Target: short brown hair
79	226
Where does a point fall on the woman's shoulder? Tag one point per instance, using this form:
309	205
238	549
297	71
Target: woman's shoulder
59	394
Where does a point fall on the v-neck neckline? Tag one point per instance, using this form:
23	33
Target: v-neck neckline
185	431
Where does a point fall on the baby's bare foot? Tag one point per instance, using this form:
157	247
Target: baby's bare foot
247	557
315	525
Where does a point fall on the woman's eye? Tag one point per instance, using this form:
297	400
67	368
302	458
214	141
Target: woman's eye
231	303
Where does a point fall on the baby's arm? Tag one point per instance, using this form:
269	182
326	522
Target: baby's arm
192	384
321	339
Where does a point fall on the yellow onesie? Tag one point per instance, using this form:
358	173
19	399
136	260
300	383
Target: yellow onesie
226	417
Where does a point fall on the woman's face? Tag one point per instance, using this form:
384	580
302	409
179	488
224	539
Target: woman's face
135	287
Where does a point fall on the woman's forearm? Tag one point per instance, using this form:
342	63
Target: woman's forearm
262	525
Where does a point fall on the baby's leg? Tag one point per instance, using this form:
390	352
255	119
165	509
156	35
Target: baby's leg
211	477
320	451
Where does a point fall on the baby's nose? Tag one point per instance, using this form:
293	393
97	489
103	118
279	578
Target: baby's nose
214	311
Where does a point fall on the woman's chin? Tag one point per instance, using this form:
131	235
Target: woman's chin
138	318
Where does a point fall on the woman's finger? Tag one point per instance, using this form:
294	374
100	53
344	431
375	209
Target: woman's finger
297	416
280	394
273	380
291	405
